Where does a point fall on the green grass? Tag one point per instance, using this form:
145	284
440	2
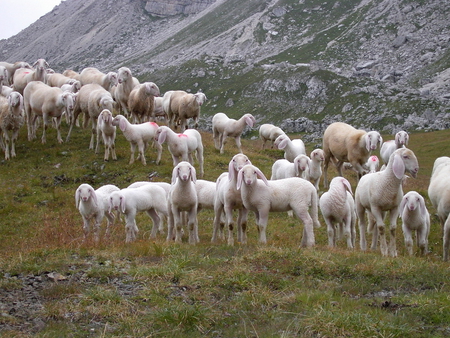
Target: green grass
159	289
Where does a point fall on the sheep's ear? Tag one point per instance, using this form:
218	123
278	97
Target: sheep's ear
402	206
398	166
380	139
283	143
77	198
193	174
296	165
347	185
123	124
93	196
162	136
174	175
367	140
240	176
249	119
260	174
122	203
423	208
231	171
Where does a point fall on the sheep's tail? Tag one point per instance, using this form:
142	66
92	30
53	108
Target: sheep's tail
315	209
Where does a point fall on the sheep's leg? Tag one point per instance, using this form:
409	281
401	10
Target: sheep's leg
110	222
133	148
98	221
331	231
216	136
131	228
229	223
446	238
14	137
222	140
86	227
408	239
193	226
159	152
325	172
98	143
113	151
218	210
422	240
339	165
372	228
361	214
156	222
308	239
200	161
263	218
6	146
238	143
93	134
393	228
170	224
381	230
242	226
178	222
142	146
348	231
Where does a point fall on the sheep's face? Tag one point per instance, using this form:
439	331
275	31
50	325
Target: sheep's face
185	171
301	162
115	201
412	201
318	155
123	74
404	160
401	138
373	138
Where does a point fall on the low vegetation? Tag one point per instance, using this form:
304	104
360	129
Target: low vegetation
54	284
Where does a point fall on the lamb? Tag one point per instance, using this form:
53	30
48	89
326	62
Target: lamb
93	75
293	193
283	168
380	192
314	172
141	102
292	148
93	206
338	210
138	135
183	203
23	76
57	80
182	146
11	120
227	199
48	102
150	198
5	91
72	87
126	83
373	163
269	132
401	141
91	100
415	218
223	127
12	67
182	106
439	194
107	132
343	143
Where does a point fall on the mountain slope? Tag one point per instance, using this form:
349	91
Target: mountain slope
376	64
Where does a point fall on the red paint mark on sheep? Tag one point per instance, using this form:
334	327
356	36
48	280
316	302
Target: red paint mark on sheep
373	158
182	135
153	124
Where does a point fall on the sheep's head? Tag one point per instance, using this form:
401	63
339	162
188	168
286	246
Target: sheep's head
341	184
237	163
281	141
301	162
404	160
151	89
372	139
123	74
248	176
413	201
83	193
117	201
15	99
318	155
250	120
106	116
200	98
184	171
401	139
120	121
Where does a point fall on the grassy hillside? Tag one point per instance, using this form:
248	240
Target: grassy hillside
159	289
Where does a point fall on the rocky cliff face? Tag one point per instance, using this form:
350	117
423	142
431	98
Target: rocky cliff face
380	64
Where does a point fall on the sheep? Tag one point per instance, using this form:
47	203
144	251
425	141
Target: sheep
5	91
283	168
181	106
269	132
125	84
338	210
373	163
227	199
23	76
150	198
343	143
223	127
91	100
293	193
107	132
72	74
93	75
4	77
57	80
12	67
415	218
439	194
141	102
182	146
138	135
43	100
11	120
158	110
72	87
183	203
401	141
380	192
292	148
314	172
93	205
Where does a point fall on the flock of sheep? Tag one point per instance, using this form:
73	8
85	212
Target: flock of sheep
30	93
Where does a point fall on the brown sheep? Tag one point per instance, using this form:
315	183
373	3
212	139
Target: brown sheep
11	119
141	102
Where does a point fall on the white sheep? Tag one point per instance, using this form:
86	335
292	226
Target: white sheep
401	141
93	75
23	76
149	198
338	210
91	100
380	192
283	168
48	102
181	106
293	193
125	84
4	76
182	145
158	110
141	102
439	194
292	148
314	171
224	127
11	120
183	203
373	163
58	80
72	74
343	143
227	199
12	67
93	206
269	132
5	91
72	87
138	135
107	132
415	218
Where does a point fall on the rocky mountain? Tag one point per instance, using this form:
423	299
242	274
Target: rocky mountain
377	64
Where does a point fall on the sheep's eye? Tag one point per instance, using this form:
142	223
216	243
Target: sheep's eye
405	156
